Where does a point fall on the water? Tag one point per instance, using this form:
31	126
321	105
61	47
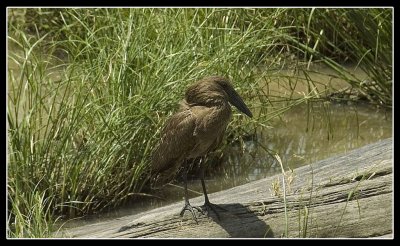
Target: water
331	129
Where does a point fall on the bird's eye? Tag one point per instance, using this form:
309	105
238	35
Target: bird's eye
223	84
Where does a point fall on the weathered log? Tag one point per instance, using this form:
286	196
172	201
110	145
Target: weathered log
343	196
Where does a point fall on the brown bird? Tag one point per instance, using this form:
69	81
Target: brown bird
195	130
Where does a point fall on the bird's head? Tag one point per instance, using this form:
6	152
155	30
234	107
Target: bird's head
211	91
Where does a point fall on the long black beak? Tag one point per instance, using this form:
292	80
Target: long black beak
237	101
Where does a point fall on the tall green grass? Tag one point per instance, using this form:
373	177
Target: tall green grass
89	90
362	37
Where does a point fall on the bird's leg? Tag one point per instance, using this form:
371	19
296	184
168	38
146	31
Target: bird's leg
187	204
207	204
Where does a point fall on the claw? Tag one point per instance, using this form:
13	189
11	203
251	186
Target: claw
191	209
210	206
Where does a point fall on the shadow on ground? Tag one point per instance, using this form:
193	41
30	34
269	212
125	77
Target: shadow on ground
239	222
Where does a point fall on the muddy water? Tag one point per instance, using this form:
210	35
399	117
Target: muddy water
299	140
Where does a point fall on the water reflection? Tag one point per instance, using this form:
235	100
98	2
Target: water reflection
330	129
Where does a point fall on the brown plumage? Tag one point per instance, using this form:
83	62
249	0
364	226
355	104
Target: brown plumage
196	129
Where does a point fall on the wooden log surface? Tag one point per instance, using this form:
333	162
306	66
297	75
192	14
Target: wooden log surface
349	195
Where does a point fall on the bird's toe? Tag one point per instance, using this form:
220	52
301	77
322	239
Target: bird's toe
213	207
191	209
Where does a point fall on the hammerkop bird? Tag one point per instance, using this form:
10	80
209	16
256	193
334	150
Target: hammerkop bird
195	130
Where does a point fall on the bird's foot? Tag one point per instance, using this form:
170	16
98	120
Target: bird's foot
211	206
190	208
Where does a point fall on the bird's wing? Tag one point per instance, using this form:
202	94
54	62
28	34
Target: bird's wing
177	141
